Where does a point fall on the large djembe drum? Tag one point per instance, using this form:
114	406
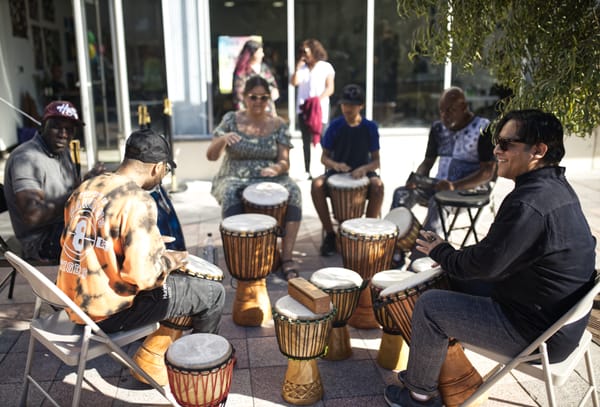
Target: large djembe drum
344	287
151	355
268	198
393	350
458	378
302	337
249	244
348	196
200	369
367	247
408	227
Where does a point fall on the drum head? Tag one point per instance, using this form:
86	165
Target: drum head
266	194
199	351
387	278
336	278
249	222
401	217
369	227
412	281
422	264
289	307
199	267
346	181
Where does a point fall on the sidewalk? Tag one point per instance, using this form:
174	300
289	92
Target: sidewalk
260	370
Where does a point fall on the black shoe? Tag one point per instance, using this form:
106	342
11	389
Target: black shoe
397	396
328	246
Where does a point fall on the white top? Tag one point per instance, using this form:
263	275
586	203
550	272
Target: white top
422	264
199	351
402	217
347	181
413	281
338	278
386	278
289	307
249	222
198	265
369	227
266	194
312	83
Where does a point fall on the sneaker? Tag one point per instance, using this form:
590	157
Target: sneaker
328	246
398	396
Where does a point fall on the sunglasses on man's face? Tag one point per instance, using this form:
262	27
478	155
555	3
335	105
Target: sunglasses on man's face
504	143
262	98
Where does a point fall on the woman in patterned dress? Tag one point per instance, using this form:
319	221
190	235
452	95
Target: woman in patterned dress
256	146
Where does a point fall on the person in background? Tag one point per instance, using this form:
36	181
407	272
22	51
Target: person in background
314	77
466	160
538	259
350	144
114	263
250	63
38	179
256	149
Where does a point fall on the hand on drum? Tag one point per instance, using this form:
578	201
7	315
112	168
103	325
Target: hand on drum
358	173
269	172
444	185
176	259
341	167
428	241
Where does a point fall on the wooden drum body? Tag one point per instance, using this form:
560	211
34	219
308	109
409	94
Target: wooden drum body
344	287
302	337
200	369
393	350
367	248
408	228
150	356
348	196
458	378
268	198
249	244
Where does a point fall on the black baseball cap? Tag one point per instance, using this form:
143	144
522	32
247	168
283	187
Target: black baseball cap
149	147
352	95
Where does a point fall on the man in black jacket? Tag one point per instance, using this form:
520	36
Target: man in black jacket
538	259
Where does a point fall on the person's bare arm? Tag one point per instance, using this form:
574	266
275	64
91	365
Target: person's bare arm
425	167
329	87
483	175
36	209
372	166
328	162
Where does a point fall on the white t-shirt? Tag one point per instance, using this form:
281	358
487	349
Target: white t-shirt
312	83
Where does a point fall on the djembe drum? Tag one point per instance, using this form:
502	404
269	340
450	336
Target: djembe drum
367	247
302	337
458	378
344	287
408	227
200	369
249	244
393	350
268	198
422	264
348	196
151	355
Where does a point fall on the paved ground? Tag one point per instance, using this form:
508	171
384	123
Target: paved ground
258	376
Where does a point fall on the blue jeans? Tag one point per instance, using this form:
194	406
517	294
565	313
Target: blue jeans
440	315
182	294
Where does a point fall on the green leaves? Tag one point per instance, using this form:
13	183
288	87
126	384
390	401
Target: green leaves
547	51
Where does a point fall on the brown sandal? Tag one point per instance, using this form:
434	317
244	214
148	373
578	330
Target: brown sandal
289	269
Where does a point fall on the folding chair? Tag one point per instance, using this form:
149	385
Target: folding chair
553	374
73	344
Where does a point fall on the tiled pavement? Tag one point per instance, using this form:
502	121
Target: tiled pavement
258	376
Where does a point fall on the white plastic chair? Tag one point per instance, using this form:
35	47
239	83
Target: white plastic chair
73	344
552	374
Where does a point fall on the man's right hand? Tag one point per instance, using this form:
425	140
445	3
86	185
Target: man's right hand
176	259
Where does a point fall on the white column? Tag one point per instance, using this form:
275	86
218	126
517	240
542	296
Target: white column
369	59
291	51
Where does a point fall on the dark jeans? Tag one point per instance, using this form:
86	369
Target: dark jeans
182	294
307	141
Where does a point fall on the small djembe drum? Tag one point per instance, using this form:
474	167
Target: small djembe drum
458	378
249	244
344	287
200	369
408	228
393	350
302	337
367	247
151	355
348	196
268	198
